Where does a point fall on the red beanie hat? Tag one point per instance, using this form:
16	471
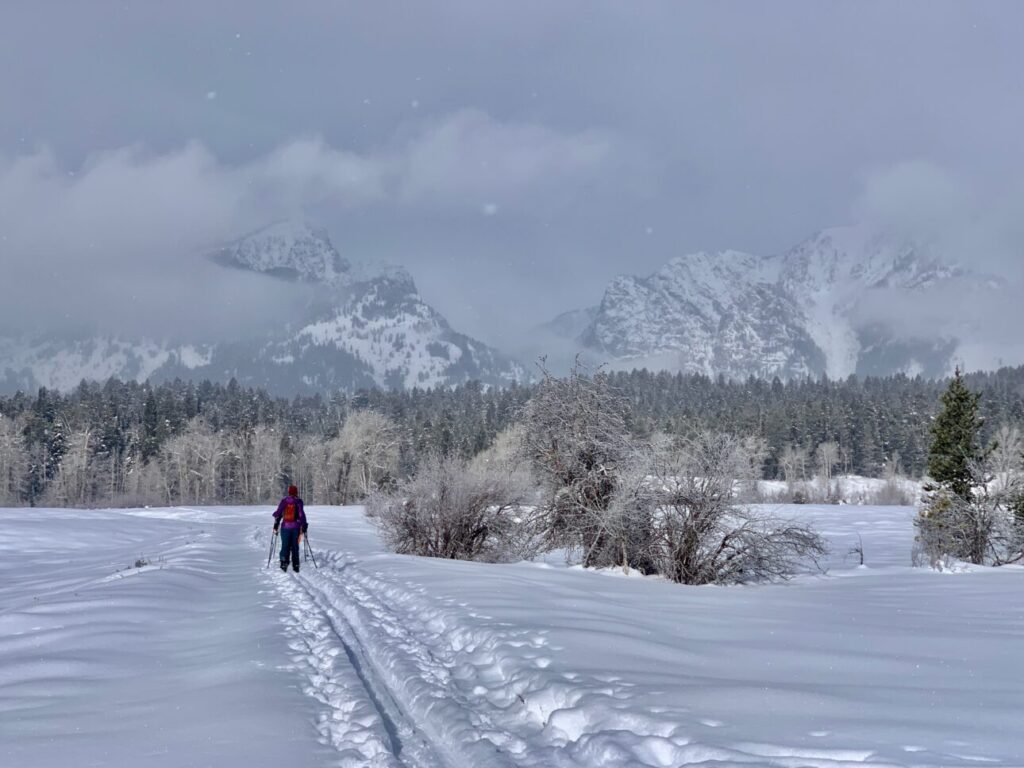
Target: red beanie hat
293	491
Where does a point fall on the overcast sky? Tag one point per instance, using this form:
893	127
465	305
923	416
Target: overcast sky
514	156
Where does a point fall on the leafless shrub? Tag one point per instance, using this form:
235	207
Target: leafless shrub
701	536
894	493
857	550
454	511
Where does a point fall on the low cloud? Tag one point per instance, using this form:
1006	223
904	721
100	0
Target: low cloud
118	245
977	227
469	156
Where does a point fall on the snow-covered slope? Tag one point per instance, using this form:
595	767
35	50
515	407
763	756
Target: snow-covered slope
157	637
806	311
364	326
26	363
403	340
571	324
836	270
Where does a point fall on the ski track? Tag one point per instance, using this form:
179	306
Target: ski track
407	680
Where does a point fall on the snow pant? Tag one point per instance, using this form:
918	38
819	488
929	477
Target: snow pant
290	546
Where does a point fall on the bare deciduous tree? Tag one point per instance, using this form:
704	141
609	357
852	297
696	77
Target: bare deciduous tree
266	457
191	464
74	485
756	451
1007	456
576	442
310	470
363	457
827	457
793	463
13	461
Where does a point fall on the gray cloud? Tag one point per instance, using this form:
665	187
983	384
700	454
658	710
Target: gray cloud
514	156
119	243
964	221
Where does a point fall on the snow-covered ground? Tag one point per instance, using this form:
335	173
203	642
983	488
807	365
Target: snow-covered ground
204	658
847	489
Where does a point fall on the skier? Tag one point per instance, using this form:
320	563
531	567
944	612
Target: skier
290	517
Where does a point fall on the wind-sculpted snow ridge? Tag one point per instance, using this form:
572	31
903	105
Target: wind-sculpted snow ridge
405	680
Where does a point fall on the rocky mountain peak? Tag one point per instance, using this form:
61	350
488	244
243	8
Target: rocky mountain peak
292	250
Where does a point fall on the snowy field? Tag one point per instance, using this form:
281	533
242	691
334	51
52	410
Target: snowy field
202	657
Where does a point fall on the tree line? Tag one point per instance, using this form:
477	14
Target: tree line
127	443
572	477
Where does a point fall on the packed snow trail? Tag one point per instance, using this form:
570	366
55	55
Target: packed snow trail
360	707
158	637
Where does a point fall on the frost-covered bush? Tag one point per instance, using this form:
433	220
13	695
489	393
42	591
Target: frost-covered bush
698	533
452	510
895	492
576	442
983	526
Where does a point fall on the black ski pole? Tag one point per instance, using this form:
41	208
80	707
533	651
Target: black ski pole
309	551
270	554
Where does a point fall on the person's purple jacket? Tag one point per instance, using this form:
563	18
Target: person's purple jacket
300	518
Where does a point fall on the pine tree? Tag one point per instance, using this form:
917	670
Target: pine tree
956	439
152	433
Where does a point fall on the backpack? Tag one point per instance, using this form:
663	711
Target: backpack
291	512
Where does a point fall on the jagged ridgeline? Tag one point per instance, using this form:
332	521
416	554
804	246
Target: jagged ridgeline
845	301
839	303
362	326
108	431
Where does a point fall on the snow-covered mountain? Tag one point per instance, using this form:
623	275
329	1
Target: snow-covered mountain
714	313
362	327
401	341
293	250
27	363
810	310
839	303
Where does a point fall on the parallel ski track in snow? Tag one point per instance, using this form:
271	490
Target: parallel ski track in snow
388	699
407	742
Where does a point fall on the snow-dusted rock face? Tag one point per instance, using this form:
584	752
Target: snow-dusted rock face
571	324
398	338
793	314
376	331
708	313
293	250
836	271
